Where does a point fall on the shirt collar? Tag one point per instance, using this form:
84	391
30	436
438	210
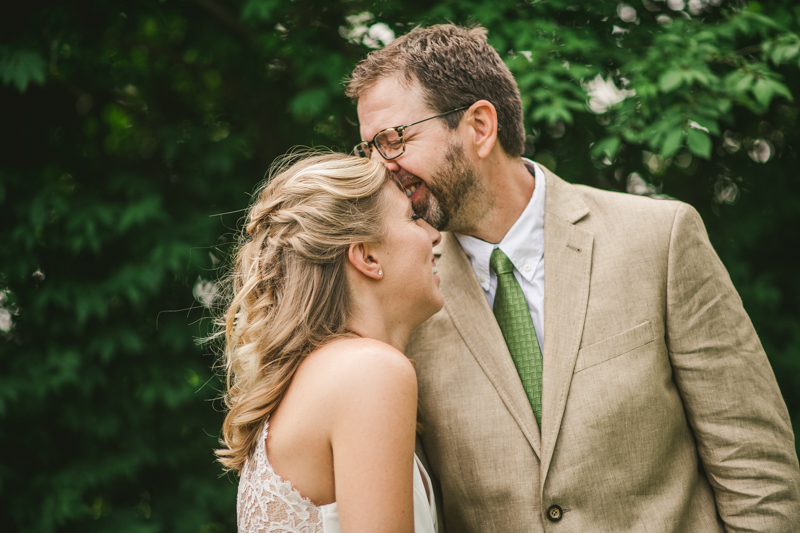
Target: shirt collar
524	242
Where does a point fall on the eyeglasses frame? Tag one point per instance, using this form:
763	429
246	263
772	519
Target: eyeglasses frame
399	130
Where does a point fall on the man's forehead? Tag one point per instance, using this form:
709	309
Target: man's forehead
390	102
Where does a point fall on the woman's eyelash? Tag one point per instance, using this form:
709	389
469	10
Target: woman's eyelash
415	217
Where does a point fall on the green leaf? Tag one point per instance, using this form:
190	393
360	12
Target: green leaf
672	142
701	76
699	143
21	68
784	53
744	83
608	147
739	81
139	212
309	103
552	113
784	91
763	91
670	80
258	10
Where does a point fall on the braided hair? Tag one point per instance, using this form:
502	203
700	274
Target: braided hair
287	289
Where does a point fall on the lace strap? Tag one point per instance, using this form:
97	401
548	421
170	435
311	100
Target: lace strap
260	453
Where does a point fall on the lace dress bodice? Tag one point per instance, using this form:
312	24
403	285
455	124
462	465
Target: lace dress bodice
267	503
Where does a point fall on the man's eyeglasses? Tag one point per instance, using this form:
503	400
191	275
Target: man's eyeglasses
390	142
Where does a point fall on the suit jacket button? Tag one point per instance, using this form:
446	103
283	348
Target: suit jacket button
554	513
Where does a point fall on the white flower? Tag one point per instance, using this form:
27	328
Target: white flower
5	320
637	185
676	5
626	13
204	292
603	94
378	35
760	151
375	36
695	125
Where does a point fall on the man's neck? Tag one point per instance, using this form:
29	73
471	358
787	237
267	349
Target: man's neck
511	186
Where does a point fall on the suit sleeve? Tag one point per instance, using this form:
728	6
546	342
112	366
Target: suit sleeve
732	401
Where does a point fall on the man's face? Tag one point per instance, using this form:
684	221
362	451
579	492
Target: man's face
445	188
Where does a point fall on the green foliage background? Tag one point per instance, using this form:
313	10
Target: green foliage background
133	133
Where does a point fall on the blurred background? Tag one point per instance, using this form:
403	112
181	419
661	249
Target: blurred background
134	132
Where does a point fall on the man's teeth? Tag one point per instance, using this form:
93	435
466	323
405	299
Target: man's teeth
435	269
410	190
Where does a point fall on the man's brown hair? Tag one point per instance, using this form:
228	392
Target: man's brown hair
455	67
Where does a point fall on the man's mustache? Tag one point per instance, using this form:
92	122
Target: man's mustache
403	176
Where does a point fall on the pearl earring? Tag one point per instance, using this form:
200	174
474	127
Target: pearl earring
380	272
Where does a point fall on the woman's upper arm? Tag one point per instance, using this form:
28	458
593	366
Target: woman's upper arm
372	438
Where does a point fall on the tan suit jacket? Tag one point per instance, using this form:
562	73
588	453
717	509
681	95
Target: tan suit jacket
660	410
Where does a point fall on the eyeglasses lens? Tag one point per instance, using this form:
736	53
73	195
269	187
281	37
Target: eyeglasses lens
389	143
362	150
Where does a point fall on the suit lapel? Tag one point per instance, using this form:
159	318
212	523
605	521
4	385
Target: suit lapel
472	316
568	264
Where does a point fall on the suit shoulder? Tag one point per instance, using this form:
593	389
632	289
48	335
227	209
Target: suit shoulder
602	197
625	207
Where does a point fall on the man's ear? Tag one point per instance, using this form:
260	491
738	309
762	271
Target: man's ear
363	258
482	117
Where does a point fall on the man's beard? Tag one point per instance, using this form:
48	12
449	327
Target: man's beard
456	198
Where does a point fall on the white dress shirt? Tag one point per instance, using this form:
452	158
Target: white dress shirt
524	245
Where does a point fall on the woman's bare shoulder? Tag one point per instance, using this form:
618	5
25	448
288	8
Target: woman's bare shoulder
356	356
352	368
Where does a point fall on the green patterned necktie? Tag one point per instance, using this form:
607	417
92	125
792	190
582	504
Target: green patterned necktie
514	319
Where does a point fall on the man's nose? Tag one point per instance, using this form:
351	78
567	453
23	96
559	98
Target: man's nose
390	164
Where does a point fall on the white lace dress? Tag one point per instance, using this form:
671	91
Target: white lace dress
267	503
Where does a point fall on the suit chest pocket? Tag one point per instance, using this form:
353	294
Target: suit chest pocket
612	347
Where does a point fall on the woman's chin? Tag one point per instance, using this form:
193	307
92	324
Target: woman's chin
439	301
431	307
436	304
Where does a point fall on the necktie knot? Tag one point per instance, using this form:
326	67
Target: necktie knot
500	262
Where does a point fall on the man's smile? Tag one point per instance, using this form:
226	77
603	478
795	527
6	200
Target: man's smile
411	186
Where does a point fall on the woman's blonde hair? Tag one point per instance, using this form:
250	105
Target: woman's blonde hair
288	290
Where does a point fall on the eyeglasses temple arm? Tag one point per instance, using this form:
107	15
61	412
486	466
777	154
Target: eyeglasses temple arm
400	129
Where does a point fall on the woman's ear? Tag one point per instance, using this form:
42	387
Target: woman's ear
363	258
483	119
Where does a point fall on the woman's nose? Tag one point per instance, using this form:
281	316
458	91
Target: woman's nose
437	237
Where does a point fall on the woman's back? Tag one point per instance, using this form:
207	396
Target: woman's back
351	409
